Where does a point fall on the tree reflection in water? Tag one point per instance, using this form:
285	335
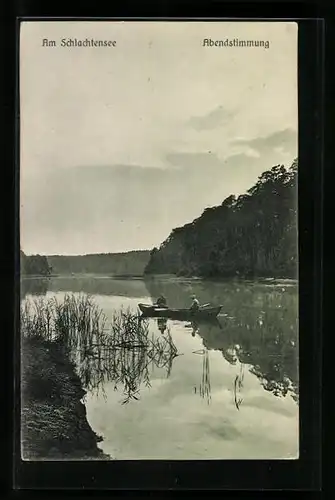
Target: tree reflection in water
34	286
271	360
129	363
125	353
262	318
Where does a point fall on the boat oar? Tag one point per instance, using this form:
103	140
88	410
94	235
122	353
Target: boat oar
205	305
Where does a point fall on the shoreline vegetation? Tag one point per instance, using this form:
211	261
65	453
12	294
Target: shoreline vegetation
65	348
125	264
253	236
162	276
54	424
84	275
34	265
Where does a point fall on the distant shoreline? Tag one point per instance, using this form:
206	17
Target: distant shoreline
163	277
82	275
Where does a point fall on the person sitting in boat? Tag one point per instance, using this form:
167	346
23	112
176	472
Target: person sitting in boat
195	306
162	324
161	301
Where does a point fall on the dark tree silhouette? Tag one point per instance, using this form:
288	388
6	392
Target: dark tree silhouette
117	264
252	235
36	265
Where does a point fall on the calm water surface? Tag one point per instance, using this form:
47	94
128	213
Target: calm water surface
231	392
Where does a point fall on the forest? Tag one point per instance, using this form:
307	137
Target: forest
252	235
112	264
34	265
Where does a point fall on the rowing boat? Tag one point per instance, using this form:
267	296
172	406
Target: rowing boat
165	312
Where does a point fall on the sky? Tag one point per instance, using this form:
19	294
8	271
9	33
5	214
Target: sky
121	144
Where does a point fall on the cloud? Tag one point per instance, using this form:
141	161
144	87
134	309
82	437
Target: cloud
285	139
202	160
263	152
215	118
122	206
112	208
252	152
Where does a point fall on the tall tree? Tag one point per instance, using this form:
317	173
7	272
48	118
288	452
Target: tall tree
252	235
34	265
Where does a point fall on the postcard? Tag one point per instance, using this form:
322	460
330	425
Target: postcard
158	240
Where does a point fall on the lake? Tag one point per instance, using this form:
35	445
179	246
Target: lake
230	388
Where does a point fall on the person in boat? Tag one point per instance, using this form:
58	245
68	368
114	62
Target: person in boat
161	301
195	328
195	306
162	324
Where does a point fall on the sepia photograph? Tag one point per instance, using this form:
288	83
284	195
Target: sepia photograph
159	240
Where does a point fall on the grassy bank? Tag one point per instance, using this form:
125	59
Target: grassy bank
67	346
54	423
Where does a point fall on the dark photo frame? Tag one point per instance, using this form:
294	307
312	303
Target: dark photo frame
303	473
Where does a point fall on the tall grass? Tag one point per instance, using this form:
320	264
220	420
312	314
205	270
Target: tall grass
121	352
126	357
73	319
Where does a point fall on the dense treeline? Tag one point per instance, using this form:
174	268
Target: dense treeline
36	265
120	264
252	235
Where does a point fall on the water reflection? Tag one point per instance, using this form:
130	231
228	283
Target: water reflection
258	333
238	386
258	328
128	367
162	324
93	285
272	360
205	385
34	286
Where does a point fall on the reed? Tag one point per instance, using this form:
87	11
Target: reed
205	385
76	321
121	351
126	357
238	386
